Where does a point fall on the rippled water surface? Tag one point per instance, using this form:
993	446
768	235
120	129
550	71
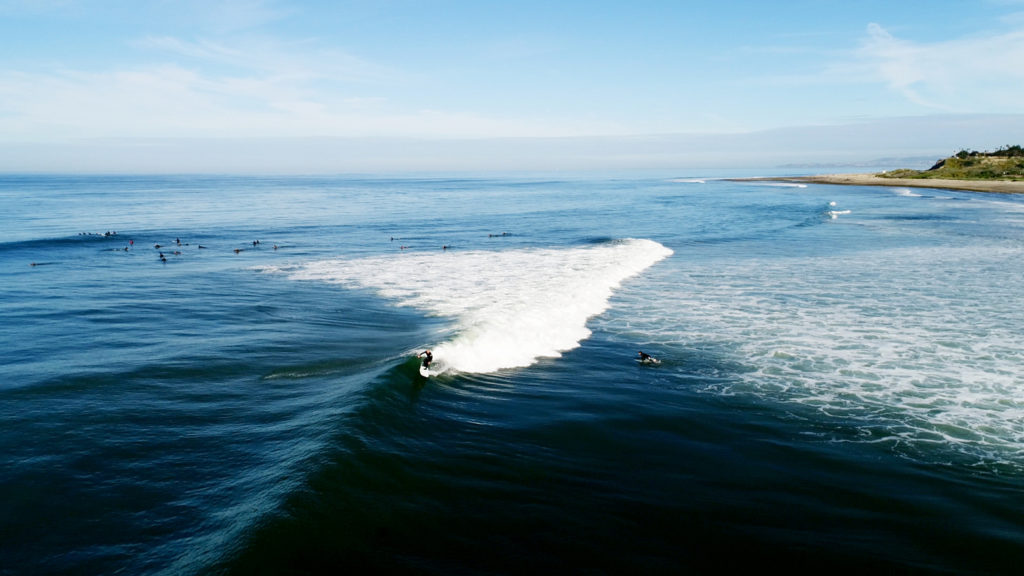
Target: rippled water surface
218	375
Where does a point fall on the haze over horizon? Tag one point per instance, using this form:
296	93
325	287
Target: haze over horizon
308	87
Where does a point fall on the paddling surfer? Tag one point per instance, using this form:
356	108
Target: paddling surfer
645	358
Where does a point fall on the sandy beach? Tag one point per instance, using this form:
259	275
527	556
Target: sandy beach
999	186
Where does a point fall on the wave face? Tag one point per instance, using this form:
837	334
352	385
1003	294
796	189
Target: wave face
511	307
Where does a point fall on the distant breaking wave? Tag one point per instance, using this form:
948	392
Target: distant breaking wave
905	192
782	184
511	307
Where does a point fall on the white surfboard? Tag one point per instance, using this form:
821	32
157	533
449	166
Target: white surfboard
424	371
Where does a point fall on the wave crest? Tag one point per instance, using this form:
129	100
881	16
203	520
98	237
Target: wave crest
511	307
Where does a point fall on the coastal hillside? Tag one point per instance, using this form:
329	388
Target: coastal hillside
1006	163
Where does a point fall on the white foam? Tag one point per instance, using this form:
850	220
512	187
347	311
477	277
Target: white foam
782	184
905	192
511	307
919	346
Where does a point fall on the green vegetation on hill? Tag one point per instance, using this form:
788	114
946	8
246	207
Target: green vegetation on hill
1006	163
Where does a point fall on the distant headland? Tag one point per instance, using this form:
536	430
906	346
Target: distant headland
1000	171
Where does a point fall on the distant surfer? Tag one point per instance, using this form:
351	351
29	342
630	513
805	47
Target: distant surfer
646	358
427	358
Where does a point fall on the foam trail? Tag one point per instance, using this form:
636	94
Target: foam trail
511	307
905	192
780	184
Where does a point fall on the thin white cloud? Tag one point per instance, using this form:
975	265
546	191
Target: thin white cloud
899	63
173	101
231	16
202	49
296	60
241	84
980	73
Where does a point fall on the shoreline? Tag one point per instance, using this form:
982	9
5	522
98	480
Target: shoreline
997	186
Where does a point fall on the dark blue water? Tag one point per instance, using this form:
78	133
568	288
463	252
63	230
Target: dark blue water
840	379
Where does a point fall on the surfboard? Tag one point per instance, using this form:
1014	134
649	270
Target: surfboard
424	371
650	360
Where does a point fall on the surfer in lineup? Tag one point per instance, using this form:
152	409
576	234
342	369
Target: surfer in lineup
645	358
427	358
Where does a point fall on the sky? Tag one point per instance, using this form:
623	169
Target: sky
379	85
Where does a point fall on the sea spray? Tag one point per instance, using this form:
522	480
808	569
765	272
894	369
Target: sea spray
510	307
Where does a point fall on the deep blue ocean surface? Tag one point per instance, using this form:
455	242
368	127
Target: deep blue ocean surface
218	375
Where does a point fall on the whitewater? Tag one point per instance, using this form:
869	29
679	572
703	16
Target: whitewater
510	308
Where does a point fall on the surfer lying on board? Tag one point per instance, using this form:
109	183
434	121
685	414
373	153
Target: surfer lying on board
427	358
645	358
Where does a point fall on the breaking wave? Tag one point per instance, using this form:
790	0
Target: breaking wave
511	307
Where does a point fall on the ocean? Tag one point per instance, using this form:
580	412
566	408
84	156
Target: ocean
219	375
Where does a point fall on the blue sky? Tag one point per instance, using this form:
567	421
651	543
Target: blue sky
119	77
